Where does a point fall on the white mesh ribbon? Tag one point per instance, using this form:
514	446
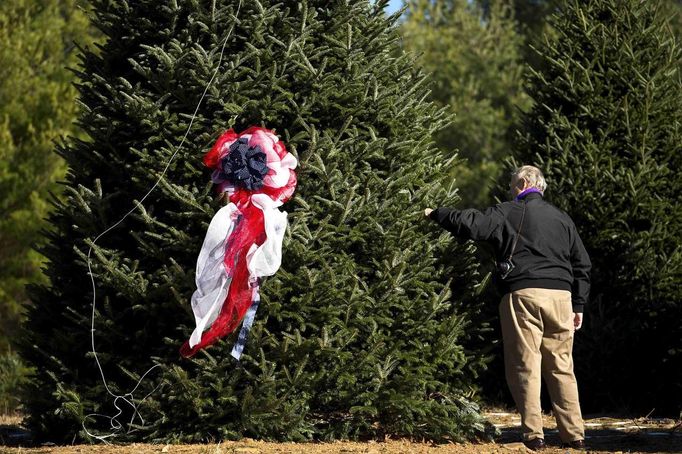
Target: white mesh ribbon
212	279
266	259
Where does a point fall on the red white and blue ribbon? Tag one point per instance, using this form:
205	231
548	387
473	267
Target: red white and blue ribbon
244	239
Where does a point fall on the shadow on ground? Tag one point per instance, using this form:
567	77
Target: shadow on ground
606	434
13	435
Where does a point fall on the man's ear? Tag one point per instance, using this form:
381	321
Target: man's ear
522	184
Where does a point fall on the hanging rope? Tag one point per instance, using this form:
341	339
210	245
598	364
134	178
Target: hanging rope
128	398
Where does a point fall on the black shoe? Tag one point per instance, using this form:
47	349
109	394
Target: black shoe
576	444
536	444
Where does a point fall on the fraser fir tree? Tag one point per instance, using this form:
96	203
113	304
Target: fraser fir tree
606	130
672	10
357	335
531	20
474	57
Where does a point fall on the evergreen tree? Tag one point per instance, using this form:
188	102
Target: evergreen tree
474	58
672	9
606	129
474	54
357	335
531	23
36	106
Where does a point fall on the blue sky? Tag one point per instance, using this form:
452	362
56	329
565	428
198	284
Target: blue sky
394	6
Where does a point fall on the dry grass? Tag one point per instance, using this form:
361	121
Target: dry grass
10	420
605	435
258	447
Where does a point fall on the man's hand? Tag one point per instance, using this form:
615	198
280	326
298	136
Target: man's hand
577	320
427	212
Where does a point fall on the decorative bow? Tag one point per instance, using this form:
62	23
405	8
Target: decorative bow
244	239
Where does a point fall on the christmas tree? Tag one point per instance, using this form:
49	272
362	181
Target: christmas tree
473	54
606	130
360	332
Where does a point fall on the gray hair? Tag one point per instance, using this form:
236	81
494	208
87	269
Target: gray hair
532	175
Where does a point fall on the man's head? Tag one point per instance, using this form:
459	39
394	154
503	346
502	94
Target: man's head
526	177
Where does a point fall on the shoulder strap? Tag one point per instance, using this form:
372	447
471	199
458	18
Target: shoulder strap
518	234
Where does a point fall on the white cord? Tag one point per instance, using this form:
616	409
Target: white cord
128	398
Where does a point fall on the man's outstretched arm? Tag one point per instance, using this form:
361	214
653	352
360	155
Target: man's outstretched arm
469	223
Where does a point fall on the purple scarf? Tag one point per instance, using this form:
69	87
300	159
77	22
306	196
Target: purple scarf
526	192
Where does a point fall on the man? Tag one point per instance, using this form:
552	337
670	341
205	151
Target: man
545	288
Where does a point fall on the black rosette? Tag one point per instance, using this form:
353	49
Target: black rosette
244	166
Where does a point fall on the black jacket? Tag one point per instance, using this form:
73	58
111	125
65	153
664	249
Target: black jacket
549	253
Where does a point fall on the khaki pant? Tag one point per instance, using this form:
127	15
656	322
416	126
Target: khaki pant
537	332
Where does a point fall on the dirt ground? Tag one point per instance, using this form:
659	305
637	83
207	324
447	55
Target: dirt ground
604	435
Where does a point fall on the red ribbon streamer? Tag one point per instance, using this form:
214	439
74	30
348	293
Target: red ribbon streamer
249	230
